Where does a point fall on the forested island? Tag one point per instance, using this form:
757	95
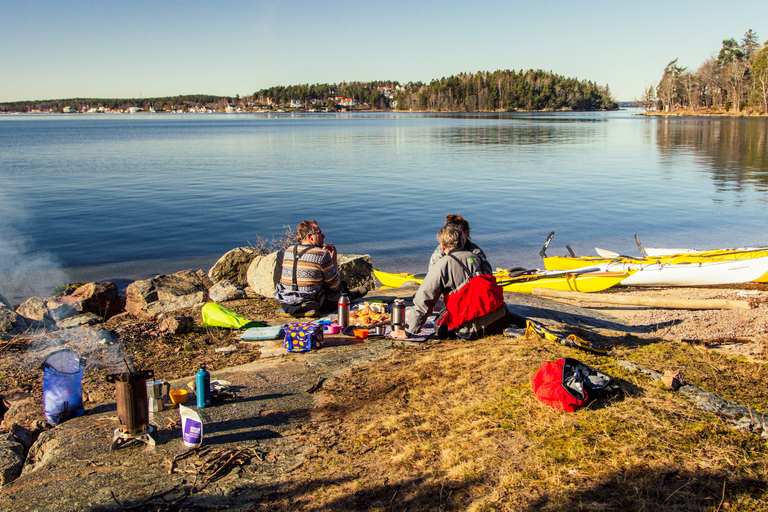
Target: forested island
735	81
506	91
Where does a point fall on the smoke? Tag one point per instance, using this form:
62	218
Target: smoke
24	271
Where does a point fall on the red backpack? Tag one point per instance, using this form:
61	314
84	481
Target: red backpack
568	384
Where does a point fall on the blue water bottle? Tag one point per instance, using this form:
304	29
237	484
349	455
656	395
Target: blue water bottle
203	387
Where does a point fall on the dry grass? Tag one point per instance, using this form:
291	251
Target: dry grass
455	426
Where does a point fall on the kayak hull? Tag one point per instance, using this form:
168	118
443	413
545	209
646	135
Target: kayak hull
584	282
691	274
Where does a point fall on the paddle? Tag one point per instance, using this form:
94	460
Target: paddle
640	246
543	251
530	275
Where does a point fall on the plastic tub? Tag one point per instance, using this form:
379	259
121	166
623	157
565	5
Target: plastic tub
333	329
361	333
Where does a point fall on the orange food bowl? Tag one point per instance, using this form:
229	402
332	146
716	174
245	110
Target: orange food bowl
361	333
178	396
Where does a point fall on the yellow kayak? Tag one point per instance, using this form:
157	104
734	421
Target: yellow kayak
585	281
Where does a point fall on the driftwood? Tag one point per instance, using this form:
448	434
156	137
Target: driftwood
663	303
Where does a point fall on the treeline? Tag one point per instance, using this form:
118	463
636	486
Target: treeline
466	92
507	90
78	104
737	79
362	92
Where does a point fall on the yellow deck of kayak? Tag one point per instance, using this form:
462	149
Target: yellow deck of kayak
587	282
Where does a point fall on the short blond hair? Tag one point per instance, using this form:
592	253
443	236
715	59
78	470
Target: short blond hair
450	236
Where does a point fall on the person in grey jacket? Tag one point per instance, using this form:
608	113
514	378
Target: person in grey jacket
474	302
455	218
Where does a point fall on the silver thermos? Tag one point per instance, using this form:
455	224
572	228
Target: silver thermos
398	314
344	310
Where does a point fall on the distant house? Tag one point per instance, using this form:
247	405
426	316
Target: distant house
296	104
133	110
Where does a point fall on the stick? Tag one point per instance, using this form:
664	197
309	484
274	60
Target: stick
645	301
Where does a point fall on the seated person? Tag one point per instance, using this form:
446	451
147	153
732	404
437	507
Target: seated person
457	219
310	283
474	303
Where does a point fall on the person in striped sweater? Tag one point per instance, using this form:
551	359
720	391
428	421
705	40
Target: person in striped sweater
310	283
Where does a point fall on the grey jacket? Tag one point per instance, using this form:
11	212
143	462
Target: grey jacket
445	276
469	246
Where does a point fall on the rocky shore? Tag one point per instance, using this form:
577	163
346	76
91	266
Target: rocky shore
157	326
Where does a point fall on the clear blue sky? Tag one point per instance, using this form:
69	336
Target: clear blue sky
53	49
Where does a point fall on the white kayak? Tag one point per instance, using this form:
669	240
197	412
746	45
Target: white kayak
690	274
661	251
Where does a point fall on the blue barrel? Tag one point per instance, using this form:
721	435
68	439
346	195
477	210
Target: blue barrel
62	386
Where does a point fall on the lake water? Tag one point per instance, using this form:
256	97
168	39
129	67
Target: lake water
119	197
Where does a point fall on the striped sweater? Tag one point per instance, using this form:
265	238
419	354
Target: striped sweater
314	271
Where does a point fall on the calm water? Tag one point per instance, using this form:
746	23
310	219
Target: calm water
120	197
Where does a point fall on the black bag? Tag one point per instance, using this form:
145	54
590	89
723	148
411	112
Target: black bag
586	383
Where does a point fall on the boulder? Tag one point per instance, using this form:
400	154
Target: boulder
11	459
59	311
264	273
11	322
35	312
25	419
177	324
101	299
357	270
164	293
4	302
233	266
79	320
226	290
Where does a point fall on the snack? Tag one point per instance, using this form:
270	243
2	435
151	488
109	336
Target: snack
369	314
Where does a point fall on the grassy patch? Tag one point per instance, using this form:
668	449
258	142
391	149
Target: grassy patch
455	426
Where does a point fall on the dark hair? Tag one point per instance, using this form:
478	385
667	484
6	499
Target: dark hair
458	220
304	228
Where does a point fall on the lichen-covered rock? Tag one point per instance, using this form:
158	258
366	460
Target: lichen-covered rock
357	270
11	322
35	312
226	290
164	293
233	266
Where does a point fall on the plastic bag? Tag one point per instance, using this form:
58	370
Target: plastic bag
63	386
215	315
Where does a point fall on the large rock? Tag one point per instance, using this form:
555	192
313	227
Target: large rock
149	297
233	266
5	302
11	459
11	322
357	270
101	299
35	312
264	273
226	290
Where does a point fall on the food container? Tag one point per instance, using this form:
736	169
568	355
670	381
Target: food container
361	333
380	329
333	329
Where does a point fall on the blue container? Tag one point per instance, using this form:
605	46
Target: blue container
203	387
62	386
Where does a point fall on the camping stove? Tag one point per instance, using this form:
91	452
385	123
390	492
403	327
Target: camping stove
132	408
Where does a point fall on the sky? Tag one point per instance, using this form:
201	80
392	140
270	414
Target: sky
56	49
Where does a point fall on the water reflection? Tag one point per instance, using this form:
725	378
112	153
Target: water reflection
734	151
